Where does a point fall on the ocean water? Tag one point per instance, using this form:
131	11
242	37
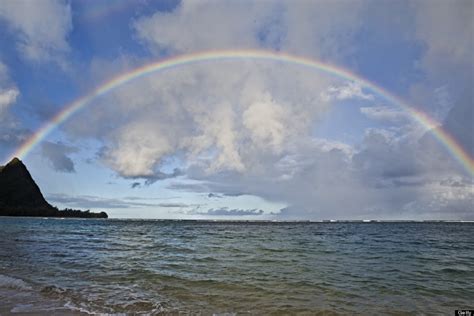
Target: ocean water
71	266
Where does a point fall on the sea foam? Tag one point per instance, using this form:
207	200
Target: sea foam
13	283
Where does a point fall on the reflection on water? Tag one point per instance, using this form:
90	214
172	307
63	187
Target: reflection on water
138	266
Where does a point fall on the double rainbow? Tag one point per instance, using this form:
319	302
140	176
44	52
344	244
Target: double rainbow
454	148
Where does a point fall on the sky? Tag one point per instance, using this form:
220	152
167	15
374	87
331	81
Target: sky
243	138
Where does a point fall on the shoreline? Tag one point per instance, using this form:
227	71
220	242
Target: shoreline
249	221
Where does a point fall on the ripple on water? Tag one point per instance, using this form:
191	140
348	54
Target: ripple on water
154	267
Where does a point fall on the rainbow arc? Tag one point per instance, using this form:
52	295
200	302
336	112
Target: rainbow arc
443	136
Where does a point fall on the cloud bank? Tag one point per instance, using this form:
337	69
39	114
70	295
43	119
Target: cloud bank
252	126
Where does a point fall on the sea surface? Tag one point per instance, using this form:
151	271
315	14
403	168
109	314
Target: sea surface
80	267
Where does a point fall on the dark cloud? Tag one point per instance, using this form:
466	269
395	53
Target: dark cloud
214	195
458	124
234	194
459	121
457	182
383	156
135	185
89	201
225	211
159	175
57	154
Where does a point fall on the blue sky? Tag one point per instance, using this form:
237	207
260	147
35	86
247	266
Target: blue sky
242	139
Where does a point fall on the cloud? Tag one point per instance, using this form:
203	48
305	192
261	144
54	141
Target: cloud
8	91
456	18
248	126
136	198
11	131
456	182
301	27
135	185
159	175
446	62
459	121
187	116
214	195
388	172
7	97
385	156
384	113
202	25
40	28
225	211
137	149
86	201
441	202
351	90
265	119
90	201
57	154
222	116
225	147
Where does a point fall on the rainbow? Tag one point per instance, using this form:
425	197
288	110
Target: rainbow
454	148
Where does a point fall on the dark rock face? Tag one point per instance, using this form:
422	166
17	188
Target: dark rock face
17	187
20	196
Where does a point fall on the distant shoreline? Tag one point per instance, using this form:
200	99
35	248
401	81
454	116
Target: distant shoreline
49	217
250	221
50	212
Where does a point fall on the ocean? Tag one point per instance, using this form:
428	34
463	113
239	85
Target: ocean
81	267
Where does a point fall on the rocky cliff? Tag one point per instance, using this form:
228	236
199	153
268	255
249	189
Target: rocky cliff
21	196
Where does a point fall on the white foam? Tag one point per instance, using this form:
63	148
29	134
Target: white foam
22	308
13	283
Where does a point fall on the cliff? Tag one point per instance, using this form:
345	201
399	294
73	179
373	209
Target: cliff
21	196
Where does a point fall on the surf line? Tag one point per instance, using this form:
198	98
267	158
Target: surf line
445	138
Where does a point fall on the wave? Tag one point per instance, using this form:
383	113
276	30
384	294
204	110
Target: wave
13	283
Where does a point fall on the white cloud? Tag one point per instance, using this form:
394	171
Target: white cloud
300	27
8	91
7	97
351	90
11	134
4	76
137	148
40	27
384	113
203	25
220	116
265	122
218	129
